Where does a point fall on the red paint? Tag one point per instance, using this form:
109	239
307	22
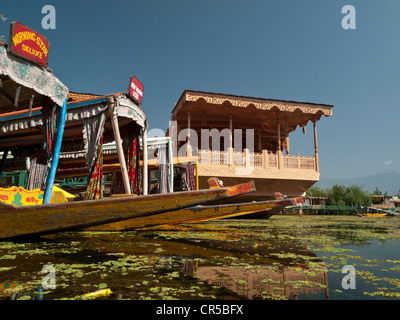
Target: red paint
32	199
135	89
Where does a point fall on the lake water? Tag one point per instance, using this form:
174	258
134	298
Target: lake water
284	257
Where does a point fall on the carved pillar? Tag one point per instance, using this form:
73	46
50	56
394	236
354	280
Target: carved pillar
230	151
279	134
145	168
279	153
189	147
316	147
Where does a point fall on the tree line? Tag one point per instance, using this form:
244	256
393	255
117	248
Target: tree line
339	195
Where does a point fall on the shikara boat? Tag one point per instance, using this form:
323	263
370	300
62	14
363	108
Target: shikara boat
200	213
364	211
374	214
55	217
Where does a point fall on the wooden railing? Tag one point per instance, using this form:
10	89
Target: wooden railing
263	159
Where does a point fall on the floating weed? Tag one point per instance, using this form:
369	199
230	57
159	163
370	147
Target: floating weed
251	257
333	249
8	257
385	294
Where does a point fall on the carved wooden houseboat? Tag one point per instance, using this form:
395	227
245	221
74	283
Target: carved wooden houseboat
238	137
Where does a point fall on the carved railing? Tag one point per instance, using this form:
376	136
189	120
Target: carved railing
263	159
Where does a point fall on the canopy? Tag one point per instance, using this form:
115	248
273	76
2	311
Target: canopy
24	84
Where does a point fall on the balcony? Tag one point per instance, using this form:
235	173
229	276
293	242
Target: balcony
271	172
264	160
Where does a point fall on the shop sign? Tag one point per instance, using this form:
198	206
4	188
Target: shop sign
28	44
135	89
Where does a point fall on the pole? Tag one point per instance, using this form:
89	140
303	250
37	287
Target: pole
56	154
171	165
316	147
118	143
189	146
230	153
3	161
145	170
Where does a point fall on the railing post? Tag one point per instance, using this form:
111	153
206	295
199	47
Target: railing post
280	159
246	157
298	160
230	157
265	159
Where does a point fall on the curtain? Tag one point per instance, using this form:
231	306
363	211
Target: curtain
92	134
187	172
131	148
49	113
95	186
37	175
164	184
93	129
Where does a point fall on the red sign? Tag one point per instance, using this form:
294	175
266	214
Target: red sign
135	89
29	44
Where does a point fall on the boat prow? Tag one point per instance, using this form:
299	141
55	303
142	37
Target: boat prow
260	209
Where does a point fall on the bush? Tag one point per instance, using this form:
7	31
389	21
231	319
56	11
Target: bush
339	195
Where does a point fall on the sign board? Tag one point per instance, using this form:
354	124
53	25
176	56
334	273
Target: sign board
135	89
28	44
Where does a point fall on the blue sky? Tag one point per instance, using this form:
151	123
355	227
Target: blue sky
280	49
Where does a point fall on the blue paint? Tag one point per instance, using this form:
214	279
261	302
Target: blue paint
86	103
39	112
56	154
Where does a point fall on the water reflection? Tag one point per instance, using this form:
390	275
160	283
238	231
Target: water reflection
267	281
253	260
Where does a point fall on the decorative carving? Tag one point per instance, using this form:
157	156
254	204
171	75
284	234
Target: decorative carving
261	104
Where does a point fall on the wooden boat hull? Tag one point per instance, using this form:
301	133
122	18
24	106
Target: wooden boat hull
199	213
49	218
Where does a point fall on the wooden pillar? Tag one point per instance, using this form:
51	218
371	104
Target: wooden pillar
316	147
3	161
189	147
230	151
279	134
171	165
118	143
279	153
145	170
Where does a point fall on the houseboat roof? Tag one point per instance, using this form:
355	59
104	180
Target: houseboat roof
213	105
24	84
18	128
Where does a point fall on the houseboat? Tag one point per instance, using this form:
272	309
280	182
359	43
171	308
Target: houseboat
238	138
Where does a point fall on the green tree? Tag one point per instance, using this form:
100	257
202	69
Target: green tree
336	195
339	195
315	192
377	192
356	195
